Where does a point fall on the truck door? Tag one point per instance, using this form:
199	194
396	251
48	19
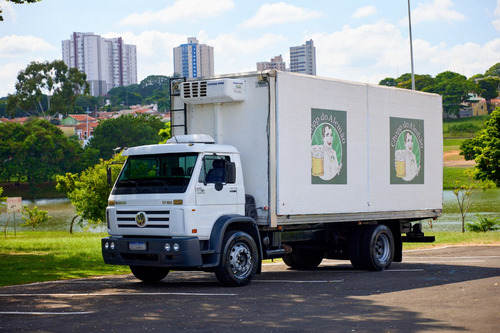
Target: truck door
216	193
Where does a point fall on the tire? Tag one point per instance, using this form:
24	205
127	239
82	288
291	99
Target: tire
149	274
239	259
377	248
303	259
355	249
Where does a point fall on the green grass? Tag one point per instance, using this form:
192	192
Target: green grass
477	122
451	144
45	256
457	238
451	175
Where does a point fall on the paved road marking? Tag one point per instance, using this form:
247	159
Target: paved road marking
44	313
298	281
116	294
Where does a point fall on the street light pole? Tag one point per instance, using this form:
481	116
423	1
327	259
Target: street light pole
411	49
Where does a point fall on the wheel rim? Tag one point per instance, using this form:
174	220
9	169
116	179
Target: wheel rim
240	260
382	248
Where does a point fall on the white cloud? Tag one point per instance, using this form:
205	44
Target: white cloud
435	10
241	55
8	12
14	45
154	50
180	10
279	13
370	53
496	21
364	12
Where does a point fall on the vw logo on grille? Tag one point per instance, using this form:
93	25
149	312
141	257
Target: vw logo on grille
141	219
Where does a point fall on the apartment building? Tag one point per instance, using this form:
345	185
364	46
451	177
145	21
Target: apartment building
303	58
107	62
275	63
193	59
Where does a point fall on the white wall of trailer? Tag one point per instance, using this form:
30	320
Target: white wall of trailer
280	123
366	161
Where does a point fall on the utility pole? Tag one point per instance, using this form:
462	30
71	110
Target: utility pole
411	49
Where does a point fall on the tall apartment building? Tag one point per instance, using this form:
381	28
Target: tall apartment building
107	62
193	59
275	63
303	58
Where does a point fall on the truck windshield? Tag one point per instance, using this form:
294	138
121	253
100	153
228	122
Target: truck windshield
167	173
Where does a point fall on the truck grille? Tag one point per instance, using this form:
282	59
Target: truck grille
194	89
155	219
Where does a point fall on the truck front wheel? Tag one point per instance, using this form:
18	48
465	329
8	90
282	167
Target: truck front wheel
376	247
239	259
149	274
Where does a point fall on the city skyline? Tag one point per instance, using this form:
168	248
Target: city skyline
358	41
107	62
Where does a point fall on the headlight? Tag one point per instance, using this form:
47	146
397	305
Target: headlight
176	247
167	247
106	245
112	245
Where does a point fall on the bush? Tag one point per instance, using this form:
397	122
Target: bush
483	224
457	129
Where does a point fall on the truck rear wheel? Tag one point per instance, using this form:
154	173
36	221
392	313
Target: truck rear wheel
376	247
239	259
303	260
149	274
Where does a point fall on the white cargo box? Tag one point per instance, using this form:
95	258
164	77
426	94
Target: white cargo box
318	149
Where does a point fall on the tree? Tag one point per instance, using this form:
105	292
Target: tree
89	190
36	151
125	131
468	192
489	89
455	90
18	2
45	81
33	217
485	149
388	81
493	70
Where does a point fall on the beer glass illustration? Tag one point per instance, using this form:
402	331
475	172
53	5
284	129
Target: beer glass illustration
317	161
400	163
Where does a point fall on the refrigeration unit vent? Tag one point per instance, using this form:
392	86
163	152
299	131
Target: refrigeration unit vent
213	91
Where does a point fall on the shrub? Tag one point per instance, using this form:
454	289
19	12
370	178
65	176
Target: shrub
484	224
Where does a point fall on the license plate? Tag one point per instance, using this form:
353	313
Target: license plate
137	246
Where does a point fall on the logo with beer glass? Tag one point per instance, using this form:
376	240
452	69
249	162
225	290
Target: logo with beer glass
328	147
407	151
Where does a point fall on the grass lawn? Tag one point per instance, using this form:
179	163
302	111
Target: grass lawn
452	175
35	256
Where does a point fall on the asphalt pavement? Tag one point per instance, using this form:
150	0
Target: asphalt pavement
447	290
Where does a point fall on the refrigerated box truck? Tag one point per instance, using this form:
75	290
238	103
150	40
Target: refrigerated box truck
275	164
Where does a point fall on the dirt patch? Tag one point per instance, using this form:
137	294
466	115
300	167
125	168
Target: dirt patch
452	158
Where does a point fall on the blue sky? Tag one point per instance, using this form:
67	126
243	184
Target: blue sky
361	40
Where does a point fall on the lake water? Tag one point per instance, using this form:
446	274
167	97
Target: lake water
62	212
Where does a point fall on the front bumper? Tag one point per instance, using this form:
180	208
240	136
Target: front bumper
152	252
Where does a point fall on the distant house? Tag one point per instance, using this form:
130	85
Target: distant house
75	119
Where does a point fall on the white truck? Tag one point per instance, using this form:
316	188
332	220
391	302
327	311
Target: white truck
274	164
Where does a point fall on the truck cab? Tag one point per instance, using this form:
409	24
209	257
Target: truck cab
166	203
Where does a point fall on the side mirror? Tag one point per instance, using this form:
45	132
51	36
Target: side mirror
108	173
230	172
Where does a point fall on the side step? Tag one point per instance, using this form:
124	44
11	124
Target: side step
417	236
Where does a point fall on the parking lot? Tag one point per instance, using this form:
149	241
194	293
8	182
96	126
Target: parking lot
446	289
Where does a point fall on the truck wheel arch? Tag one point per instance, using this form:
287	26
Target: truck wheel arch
227	223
